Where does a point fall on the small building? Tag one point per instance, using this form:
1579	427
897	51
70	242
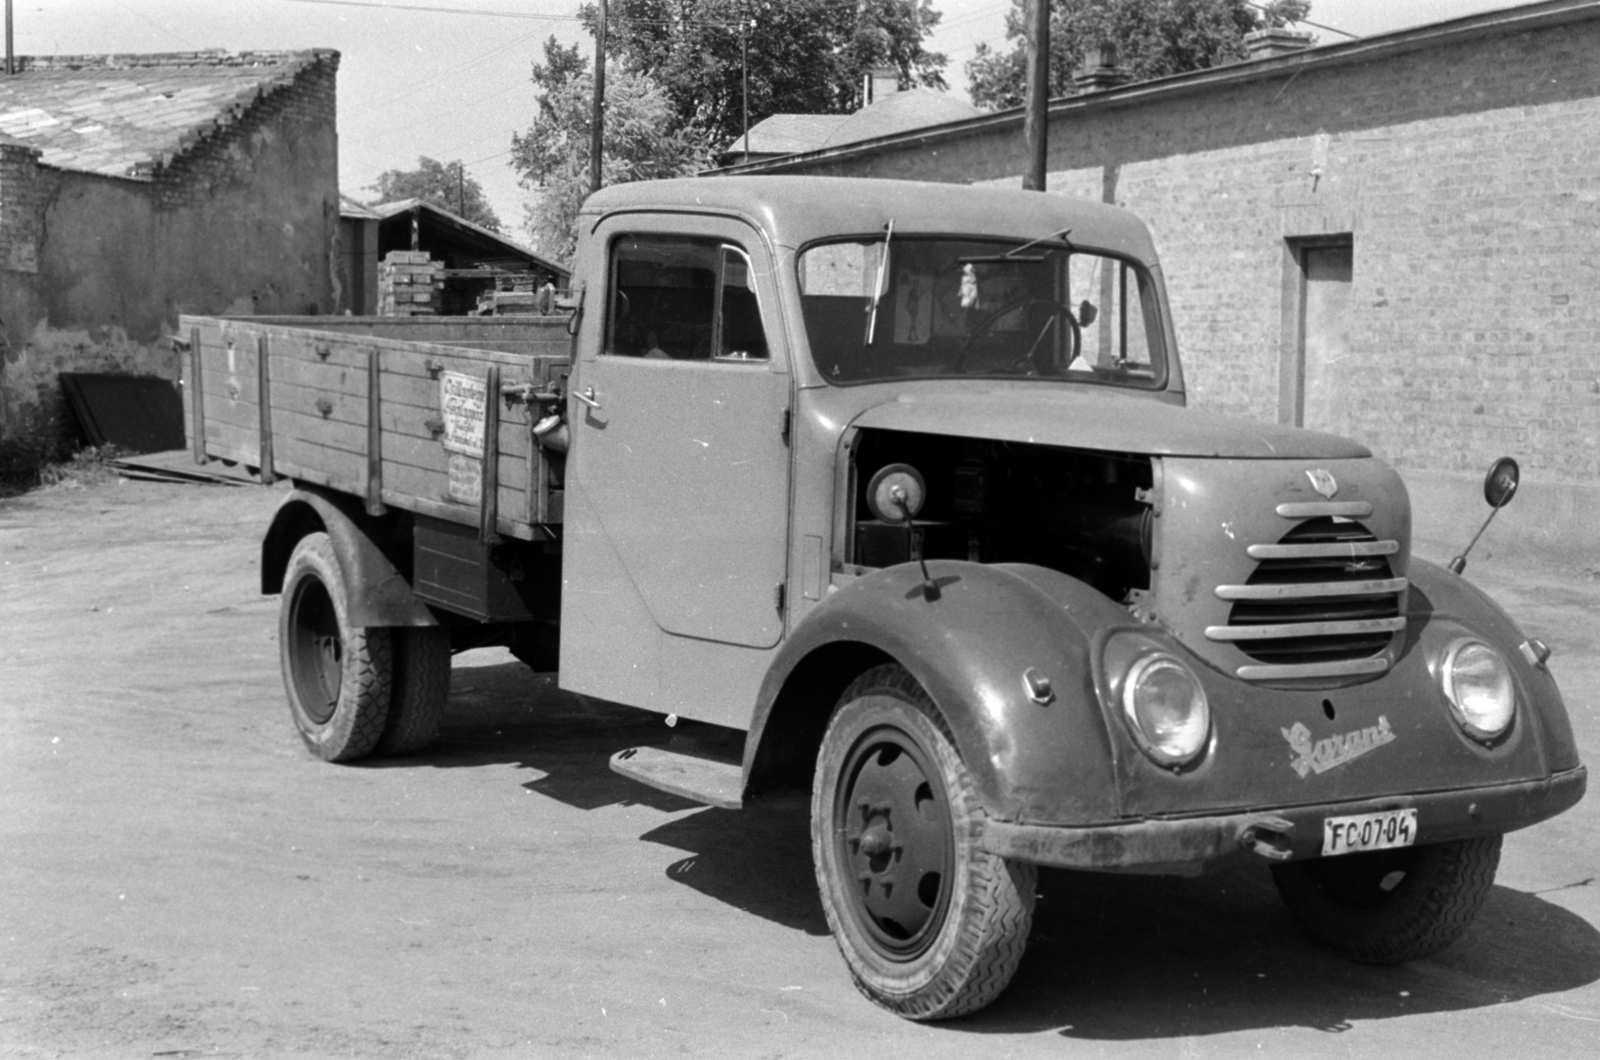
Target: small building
1389	238
137	187
462	267
888	110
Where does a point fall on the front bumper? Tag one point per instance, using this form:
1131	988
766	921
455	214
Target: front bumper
1190	845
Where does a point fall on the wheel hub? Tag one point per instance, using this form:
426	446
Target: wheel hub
896	842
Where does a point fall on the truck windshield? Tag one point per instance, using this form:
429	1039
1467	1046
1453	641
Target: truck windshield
980	307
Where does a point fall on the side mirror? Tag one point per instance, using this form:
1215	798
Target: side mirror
1499	486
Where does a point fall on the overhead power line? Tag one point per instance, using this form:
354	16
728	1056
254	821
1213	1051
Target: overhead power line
481	12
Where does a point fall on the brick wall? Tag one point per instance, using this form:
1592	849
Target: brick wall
1466	170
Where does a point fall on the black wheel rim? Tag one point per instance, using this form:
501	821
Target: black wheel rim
894	843
316	651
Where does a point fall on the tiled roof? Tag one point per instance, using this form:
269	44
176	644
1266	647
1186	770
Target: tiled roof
900	112
126	115
785	134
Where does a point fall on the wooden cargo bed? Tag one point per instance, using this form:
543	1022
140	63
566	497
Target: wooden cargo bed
389	409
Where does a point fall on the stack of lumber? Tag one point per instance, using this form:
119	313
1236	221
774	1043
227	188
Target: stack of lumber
409	284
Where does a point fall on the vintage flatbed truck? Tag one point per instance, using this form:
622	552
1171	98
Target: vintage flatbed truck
898	482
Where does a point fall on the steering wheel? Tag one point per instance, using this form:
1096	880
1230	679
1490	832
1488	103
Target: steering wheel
1029	360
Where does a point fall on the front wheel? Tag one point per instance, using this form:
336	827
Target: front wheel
337	676
1391	906
930	925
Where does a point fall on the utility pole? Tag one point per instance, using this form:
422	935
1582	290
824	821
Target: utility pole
597	135
1035	121
11	55
744	72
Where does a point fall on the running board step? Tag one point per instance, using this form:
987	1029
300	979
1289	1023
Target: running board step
704	780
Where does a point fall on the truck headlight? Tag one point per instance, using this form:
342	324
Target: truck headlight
1477	684
1166	708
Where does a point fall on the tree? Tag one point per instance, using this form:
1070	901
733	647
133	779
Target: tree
642	141
1153	38
445	185
804	56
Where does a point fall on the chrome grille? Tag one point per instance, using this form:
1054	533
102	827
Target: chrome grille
1323	601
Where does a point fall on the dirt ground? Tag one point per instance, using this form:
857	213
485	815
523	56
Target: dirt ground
178	877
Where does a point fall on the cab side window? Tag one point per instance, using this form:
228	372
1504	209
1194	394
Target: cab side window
682	298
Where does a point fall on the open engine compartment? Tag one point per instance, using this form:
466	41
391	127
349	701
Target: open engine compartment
1083	513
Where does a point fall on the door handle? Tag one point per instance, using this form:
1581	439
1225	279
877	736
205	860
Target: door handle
586	395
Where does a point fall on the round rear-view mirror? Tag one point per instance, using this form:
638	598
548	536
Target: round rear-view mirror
1500	485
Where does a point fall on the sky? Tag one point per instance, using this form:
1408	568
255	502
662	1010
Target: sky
452	82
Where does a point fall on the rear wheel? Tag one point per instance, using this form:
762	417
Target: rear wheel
338	677
930	925
419	688
1391	906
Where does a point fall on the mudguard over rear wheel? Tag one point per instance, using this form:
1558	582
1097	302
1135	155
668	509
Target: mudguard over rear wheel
930	925
1391	906
338	677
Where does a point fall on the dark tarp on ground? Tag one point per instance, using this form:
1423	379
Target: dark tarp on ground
139	413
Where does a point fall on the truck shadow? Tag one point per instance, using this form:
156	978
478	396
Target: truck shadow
1129	958
1112	958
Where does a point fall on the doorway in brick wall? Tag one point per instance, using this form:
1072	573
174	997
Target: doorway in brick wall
1314	387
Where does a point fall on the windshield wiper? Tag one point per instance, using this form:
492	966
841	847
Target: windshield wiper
1013	255
877	284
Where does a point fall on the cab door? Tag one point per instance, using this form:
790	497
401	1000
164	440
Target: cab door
678	479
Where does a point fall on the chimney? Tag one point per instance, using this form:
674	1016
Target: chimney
881	83
1100	70
1275	41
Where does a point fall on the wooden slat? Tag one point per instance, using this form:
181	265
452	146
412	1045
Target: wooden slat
297	371
264	389
489	513
374	436
321	464
237	413
431	456
452	513
348	438
307	401
403	481
197	425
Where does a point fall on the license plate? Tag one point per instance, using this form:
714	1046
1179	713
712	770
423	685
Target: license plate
1368	831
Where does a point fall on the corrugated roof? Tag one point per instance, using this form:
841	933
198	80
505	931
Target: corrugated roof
127	115
350	206
486	242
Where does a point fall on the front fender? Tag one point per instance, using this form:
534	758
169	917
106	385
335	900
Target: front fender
1437	594
378	594
968	647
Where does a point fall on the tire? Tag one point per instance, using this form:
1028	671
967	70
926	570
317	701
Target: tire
1391	906
930	926
418	690
338	678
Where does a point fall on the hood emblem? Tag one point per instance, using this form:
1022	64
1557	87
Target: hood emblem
1323	482
1322	755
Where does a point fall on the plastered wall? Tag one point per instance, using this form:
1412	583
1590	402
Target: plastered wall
95	270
